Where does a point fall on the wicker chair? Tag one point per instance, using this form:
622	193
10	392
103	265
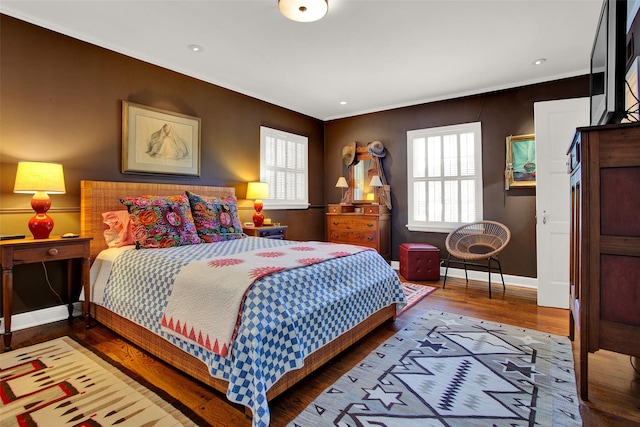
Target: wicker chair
477	241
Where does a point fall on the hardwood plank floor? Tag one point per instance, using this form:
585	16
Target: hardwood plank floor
614	387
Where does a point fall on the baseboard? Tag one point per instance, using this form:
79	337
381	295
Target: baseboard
482	276
41	317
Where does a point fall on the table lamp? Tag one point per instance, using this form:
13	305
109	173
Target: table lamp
40	179
258	191
342	183
376	184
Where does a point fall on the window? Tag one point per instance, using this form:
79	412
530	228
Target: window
284	166
444	177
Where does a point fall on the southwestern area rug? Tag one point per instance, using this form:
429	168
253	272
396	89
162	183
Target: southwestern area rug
451	370
414	293
62	383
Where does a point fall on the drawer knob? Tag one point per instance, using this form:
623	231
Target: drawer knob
336	222
370	238
53	251
370	225
335	236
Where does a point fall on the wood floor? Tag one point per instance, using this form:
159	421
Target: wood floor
614	387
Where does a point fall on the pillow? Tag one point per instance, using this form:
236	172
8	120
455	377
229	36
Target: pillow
216	218
212	238
161	222
119	231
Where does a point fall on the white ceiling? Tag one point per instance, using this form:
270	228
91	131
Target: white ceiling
373	54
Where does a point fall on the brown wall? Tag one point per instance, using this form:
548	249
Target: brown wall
60	100
504	113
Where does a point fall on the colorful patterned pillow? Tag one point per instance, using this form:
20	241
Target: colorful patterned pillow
216	218
161	222
118	232
212	238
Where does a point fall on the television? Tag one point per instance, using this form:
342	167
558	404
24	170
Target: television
608	63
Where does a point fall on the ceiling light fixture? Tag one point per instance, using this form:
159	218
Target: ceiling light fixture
539	61
195	47
303	10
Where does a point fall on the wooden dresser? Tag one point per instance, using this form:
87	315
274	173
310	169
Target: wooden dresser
604	277
361	224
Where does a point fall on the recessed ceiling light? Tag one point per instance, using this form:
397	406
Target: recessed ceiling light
539	61
195	47
343	102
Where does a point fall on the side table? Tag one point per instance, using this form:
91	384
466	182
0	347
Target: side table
29	251
270	232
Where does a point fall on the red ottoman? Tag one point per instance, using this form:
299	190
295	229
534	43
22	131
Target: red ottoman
419	261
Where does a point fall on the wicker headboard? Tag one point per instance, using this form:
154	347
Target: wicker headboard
97	197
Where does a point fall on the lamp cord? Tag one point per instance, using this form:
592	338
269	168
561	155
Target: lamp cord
46	276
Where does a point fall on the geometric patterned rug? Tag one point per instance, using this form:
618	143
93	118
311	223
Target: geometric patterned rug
414	293
61	383
451	370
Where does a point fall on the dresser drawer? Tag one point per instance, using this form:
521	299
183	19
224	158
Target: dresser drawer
50	252
371	209
338	209
364	238
352	222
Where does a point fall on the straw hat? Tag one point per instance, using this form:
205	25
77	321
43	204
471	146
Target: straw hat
349	153
376	148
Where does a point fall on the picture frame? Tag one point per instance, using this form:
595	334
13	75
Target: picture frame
156	141
520	169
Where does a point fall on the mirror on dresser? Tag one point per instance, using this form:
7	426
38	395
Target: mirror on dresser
360	174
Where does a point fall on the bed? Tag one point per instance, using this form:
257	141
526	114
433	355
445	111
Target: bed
98	197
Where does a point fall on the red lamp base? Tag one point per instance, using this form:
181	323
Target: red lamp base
41	226
258	217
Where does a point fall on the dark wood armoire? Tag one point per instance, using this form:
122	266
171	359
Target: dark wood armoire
604	163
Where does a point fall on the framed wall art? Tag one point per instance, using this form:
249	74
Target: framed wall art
520	170
156	141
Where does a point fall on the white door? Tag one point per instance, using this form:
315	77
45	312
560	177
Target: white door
555	125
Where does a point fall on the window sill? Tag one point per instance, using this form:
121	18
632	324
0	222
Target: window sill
283	206
445	228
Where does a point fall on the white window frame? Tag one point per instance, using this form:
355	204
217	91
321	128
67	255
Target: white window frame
293	192
412	135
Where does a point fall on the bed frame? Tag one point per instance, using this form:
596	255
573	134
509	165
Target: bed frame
102	196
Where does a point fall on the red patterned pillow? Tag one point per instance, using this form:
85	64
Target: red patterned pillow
216	218
161	221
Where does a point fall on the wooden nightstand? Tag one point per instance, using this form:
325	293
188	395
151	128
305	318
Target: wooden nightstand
270	232
28	251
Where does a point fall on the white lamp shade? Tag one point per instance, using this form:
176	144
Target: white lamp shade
303	10
257	190
33	177
342	183
375	181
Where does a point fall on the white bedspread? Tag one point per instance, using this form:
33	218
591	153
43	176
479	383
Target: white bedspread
208	294
286	316
100	271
